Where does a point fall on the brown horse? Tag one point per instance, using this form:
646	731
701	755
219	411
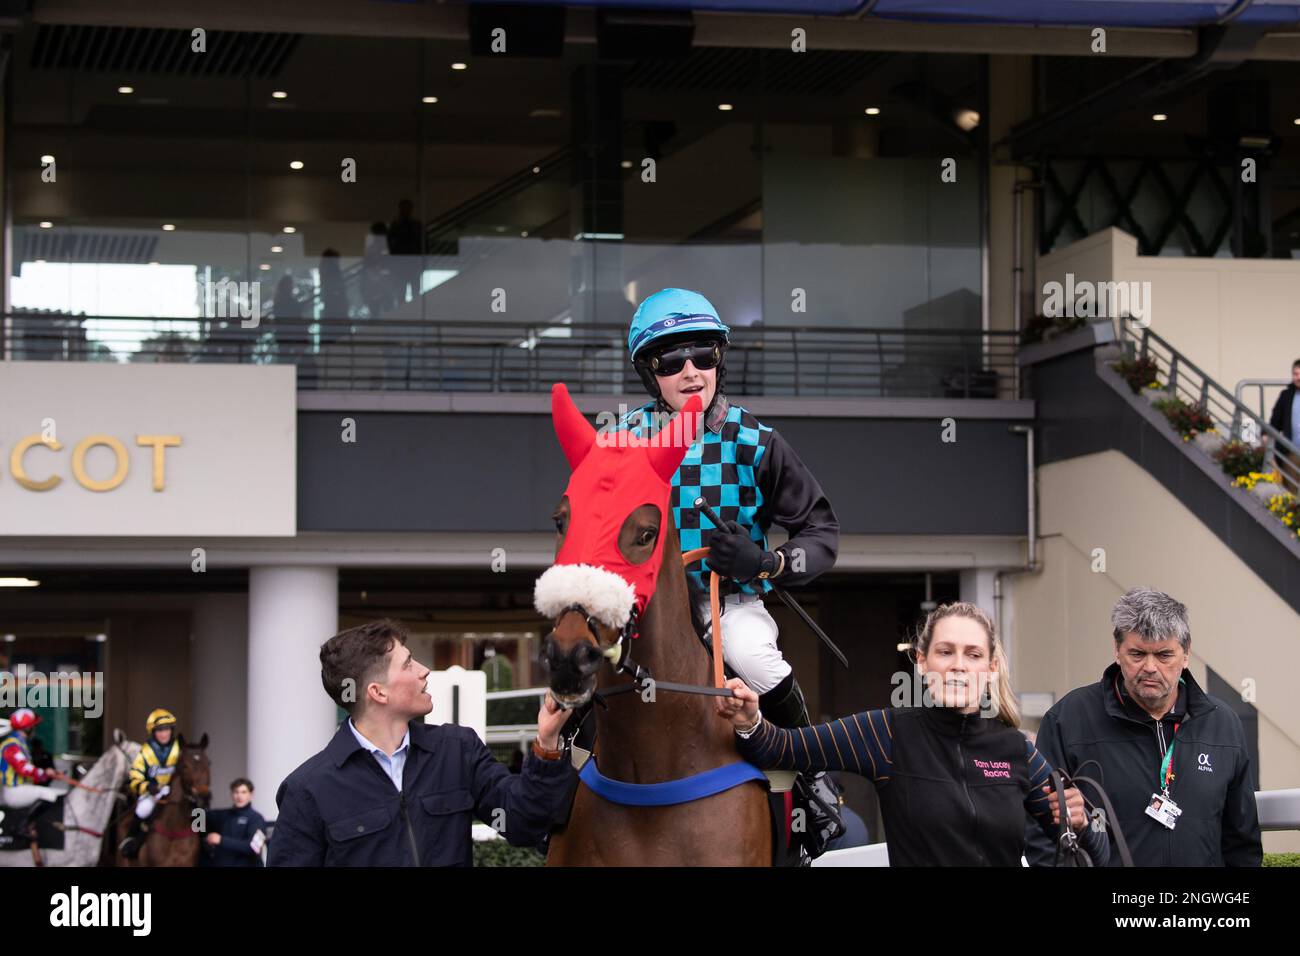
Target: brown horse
638	741
171	839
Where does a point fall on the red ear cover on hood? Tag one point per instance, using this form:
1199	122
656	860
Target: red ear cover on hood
613	476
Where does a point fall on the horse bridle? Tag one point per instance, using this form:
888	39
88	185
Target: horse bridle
1067	843
620	657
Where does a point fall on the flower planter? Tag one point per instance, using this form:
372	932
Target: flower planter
1264	490
1208	442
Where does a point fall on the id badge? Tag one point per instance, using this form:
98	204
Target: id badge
258	841
1163	810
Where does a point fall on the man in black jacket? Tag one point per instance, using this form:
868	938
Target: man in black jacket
1286	419
235	836
1172	758
391	790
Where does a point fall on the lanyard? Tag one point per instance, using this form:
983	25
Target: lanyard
1167	765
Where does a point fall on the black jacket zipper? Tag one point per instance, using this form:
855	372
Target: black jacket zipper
965	787
1160	738
410	833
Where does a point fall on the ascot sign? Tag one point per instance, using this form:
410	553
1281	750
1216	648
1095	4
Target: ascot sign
104	448
122	461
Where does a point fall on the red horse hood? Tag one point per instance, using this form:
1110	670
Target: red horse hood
613	474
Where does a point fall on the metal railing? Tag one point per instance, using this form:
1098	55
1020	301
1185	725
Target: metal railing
1260	384
1232	419
422	356
512	716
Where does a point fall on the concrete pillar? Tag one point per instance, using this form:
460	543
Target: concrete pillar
219	687
976	586
291	612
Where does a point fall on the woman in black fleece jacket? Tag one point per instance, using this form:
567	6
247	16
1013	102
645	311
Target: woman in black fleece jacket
955	776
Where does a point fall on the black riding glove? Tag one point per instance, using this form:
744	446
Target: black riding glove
152	786
733	553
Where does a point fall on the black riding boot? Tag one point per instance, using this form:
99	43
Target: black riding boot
130	846
784	706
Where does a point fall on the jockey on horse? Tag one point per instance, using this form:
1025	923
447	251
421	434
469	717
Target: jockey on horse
21	781
752	478
151	775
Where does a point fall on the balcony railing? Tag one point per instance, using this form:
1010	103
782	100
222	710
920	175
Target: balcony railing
422	356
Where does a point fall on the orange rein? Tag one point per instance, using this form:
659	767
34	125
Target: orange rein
688	558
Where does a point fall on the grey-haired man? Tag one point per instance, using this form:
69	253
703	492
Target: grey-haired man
1172	758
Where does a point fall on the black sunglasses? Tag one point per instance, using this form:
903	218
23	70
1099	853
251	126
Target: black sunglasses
702	355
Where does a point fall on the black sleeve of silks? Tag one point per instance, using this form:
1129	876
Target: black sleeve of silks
793	499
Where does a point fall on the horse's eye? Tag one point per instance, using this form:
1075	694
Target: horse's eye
647	536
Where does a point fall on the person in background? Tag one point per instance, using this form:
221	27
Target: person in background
150	776
406	246
1173	759
236	835
1286	419
22	781
376	279
334	312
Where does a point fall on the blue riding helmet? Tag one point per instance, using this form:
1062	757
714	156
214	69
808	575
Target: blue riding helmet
672	312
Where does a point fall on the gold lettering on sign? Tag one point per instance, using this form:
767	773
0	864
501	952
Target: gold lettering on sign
79	462
159	443
20	473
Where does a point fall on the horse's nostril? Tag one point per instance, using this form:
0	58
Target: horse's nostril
587	657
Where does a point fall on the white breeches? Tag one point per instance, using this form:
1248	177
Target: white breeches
749	641
145	804
25	794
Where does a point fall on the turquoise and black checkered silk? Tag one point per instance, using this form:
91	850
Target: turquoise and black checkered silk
723	467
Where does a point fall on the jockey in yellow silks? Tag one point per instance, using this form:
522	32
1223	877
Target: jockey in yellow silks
151	774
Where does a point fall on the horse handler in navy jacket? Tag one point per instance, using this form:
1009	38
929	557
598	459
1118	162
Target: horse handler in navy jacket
391	790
